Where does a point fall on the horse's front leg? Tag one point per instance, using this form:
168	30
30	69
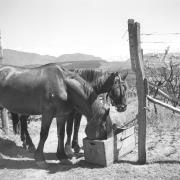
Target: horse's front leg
61	155
15	121
69	126
47	117
77	120
25	137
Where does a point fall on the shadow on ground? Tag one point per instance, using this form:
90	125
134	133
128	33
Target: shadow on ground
166	162
53	167
9	148
15	157
147	163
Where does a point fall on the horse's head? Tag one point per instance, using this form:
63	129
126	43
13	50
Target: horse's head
100	128
118	93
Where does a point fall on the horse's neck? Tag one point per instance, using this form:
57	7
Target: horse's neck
102	84
96	109
81	95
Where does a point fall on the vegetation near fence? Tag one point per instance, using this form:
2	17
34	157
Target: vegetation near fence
162	82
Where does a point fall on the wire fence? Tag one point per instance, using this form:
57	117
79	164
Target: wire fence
159	34
155	42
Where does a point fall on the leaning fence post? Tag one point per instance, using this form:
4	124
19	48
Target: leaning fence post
4	118
131	43
4	114
138	67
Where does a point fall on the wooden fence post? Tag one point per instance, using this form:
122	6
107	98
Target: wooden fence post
4	118
138	67
4	114
131	43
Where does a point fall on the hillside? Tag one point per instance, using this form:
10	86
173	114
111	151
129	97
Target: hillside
116	65
77	57
70	61
77	60
155	59
19	58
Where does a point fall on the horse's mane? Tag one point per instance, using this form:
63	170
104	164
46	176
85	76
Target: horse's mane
86	87
96	78
89	74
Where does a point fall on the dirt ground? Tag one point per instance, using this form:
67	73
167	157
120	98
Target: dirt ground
163	156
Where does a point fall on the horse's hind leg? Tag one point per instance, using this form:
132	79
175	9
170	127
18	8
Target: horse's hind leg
15	121
25	137
69	126
77	121
61	155
47	117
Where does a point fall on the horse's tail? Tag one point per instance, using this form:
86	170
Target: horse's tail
15	121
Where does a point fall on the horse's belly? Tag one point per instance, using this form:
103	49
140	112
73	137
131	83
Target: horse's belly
24	109
23	103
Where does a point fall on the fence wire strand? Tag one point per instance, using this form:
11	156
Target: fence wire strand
159	34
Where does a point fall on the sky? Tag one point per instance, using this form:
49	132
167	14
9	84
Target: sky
96	27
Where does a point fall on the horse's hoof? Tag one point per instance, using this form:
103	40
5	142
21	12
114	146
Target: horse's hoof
77	149
42	164
66	162
69	151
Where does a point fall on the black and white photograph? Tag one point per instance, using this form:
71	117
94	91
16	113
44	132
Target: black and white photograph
89	89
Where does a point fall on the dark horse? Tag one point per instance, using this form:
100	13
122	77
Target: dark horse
23	128
53	92
102	82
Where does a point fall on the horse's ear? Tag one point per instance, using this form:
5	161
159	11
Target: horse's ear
124	76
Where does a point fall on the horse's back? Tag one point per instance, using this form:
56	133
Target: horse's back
28	88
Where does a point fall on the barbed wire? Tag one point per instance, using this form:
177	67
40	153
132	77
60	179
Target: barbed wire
124	34
160	42
159	34
172	49
152	34
155	42
158	50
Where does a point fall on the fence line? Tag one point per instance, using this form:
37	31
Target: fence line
159	34
168	106
161	92
158	42
136	55
126	31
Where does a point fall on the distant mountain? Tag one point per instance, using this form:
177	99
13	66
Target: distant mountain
77	57
82	64
78	60
19	58
70	61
